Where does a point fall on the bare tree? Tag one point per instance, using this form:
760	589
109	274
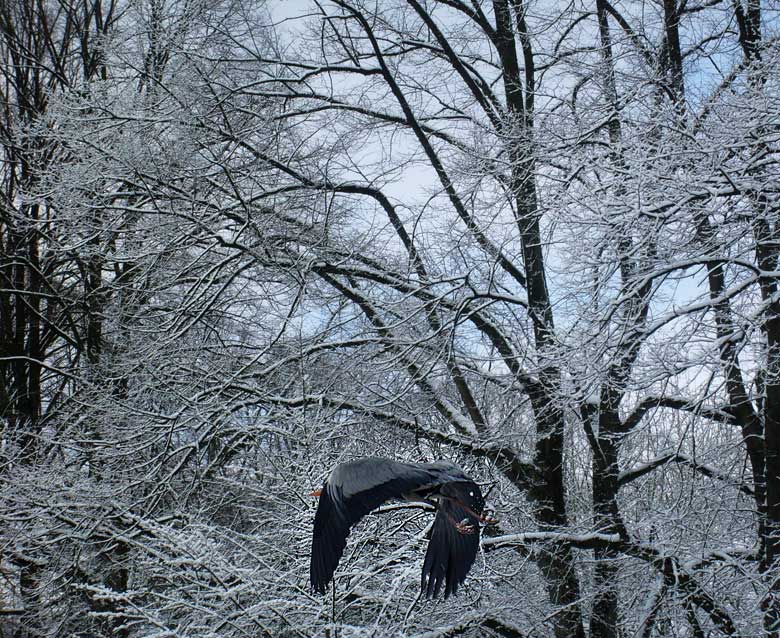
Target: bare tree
531	172
246	245
47	298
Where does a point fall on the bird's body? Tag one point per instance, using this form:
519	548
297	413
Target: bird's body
354	489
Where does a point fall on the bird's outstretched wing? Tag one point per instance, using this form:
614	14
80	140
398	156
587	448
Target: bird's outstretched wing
451	551
351	492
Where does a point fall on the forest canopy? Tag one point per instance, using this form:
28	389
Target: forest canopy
242	242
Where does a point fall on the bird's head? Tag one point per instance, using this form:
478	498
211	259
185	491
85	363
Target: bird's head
467	493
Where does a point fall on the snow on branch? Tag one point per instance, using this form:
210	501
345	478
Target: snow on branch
521	473
672	568
720	415
581	541
475	620
675	457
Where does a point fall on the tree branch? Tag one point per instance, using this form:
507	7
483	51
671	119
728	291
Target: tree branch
674	457
720	415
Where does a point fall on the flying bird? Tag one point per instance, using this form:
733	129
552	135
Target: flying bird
355	488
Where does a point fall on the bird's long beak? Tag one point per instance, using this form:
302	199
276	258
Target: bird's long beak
316	493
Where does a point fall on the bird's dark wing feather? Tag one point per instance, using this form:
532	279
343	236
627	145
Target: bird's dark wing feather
330	537
343	503
451	553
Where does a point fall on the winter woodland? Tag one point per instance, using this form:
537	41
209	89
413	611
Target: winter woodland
243	241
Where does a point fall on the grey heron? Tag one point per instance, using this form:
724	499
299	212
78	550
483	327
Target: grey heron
355	488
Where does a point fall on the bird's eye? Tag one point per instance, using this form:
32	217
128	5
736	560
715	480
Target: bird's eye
471	493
